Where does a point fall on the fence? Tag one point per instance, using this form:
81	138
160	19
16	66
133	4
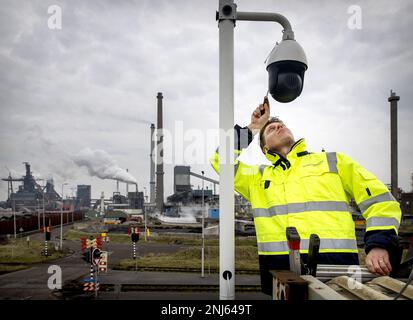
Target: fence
31	222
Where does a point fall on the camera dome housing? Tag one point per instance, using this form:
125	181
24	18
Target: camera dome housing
286	66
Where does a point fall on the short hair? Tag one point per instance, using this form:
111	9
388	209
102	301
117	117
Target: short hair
262	139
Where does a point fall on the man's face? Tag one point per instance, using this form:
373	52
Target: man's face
276	136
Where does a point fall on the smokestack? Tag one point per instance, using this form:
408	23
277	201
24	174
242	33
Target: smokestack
152	170
159	161
393	142
102	204
117	186
127	185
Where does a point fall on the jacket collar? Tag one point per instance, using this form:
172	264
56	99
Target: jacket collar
297	150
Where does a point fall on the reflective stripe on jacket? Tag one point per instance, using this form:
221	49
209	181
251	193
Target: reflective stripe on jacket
311	191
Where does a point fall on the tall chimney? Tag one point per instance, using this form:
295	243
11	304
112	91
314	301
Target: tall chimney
117	185
159	160
393	142
127	186
102	204
152	170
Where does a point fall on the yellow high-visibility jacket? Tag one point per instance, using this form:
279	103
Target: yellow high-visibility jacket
311	191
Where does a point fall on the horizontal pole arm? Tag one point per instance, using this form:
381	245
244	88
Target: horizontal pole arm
266	16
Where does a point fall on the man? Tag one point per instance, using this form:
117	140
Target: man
312	191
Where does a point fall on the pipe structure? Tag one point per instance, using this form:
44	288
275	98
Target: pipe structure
214	182
203	178
226	16
393	143
159	160
329	271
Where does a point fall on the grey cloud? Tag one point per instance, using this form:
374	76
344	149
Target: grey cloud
94	83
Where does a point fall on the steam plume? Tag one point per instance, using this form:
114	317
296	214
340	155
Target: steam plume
100	164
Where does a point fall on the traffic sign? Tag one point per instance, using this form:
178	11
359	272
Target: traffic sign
96	255
91	243
103	262
132	230
90	286
83	244
135	237
99	242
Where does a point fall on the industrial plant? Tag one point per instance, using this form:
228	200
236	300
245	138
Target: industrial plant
34	205
42	204
206	150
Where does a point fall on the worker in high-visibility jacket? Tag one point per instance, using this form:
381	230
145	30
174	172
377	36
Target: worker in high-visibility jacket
312	191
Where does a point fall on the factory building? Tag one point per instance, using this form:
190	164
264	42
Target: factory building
83	196
136	200
30	195
183	192
185	195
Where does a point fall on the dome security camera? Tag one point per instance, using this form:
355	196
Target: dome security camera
286	65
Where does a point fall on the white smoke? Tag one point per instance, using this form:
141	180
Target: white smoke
66	164
187	215
100	164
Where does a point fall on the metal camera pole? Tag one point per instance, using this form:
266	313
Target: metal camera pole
203	231
227	16
226	26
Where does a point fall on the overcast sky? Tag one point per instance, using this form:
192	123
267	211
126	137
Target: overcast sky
92	85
